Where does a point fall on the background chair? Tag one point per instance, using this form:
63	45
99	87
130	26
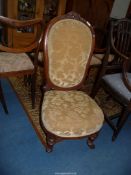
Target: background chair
98	54
100	47
112	62
66	111
110	76
16	61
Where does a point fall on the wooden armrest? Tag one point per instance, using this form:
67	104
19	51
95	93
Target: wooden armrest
17	23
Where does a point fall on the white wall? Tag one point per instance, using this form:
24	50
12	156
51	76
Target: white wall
119	9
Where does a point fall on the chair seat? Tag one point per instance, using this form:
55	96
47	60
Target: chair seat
71	114
115	82
97	59
11	62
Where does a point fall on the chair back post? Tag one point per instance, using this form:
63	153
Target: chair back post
125	70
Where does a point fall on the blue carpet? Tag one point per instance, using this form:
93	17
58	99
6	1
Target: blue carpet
21	152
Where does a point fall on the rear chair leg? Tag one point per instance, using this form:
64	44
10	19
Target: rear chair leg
33	90
121	122
2	99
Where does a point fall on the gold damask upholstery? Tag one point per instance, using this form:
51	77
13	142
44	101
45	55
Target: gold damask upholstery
97	59
71	113
72	38
66	111
11	62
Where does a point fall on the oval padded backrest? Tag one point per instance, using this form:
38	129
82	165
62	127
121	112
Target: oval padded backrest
69	47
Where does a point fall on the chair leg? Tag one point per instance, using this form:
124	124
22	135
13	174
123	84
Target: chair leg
95	89
2	99
91	139
27	80
50	143
110	123
33	89
97	83
96	86
121	121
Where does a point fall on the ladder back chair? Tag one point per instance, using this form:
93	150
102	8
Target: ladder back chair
115	76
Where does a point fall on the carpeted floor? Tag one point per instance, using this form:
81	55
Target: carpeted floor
21	152
23	93
111	107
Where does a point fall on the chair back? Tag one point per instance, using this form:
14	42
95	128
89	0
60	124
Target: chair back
20	26
68	47
121	37
119	44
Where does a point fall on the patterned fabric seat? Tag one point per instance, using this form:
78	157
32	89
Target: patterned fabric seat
71	113
11	62
97	59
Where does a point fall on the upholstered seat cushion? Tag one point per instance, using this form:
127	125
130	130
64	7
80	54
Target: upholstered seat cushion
10	62
71	113
97	59
115	82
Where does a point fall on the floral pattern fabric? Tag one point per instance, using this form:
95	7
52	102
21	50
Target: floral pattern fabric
71	113
97	59
11	62
69	46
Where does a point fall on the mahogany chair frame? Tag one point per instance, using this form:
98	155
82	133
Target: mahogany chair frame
51	138
34	46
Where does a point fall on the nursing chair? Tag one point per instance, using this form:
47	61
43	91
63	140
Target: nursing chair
115	76
15	61
66	111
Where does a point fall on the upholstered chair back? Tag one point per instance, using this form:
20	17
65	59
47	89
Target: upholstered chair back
69	46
